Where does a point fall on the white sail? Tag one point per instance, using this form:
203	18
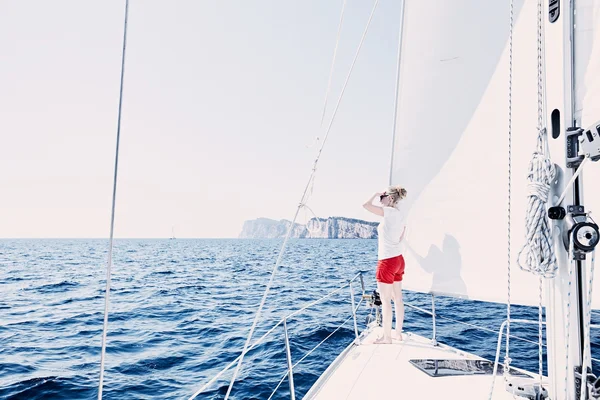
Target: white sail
587	100
587	62
451	145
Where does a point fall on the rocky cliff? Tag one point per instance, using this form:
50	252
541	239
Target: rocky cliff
330	228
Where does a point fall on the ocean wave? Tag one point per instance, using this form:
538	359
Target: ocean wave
181	310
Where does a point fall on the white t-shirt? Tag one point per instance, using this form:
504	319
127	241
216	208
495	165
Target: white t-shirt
389	232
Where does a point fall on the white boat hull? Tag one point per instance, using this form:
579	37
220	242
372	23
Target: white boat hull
383	371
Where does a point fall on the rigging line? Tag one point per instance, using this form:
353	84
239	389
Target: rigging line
587	334
317	346
575	175
540	258
112	216
337	42
497	358
308	354
510	81
283	246
568	316
397	93
264	336
540	334
551	173
477	327
319	224
362	39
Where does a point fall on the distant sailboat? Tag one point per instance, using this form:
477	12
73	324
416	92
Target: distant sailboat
172	233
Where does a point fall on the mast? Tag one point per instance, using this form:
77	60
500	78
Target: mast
565	300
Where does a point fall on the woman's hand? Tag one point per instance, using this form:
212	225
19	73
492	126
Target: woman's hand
372	208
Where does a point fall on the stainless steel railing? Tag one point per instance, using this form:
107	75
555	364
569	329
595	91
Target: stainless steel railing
355	306
283	322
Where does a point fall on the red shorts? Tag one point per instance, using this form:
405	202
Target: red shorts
390	270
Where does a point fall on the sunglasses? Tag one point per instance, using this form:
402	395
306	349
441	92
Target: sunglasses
383	196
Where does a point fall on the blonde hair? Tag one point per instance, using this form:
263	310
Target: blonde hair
396	193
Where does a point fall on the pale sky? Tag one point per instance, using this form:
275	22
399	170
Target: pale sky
222	101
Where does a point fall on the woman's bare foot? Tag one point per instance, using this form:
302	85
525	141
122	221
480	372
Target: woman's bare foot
398	336
382	340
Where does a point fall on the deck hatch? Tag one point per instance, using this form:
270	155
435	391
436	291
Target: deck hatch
437	368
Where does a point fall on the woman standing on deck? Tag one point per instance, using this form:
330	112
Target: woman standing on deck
390	264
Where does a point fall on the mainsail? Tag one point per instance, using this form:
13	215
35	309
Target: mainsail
451	146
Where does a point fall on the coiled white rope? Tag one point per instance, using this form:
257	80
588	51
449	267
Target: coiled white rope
538	251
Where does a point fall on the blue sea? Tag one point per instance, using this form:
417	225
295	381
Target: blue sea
181	309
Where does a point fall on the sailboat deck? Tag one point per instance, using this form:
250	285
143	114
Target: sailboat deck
383	371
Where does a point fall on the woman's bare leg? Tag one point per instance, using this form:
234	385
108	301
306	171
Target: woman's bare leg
385	291
399	308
